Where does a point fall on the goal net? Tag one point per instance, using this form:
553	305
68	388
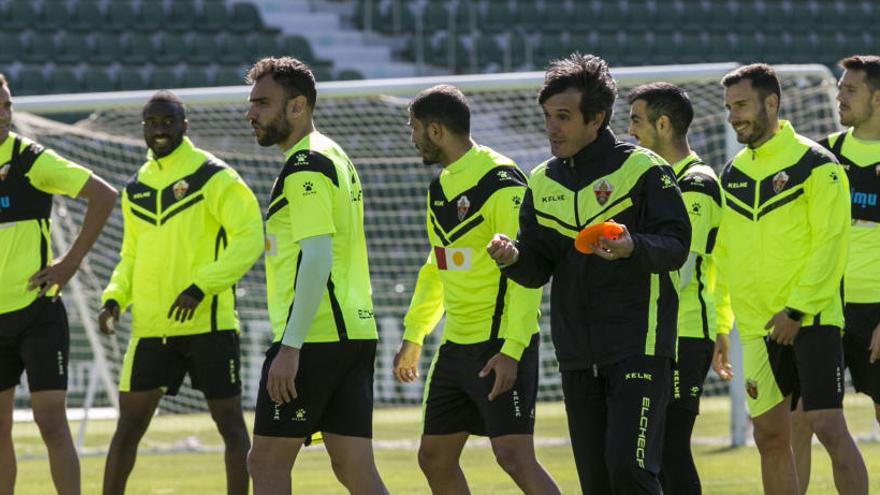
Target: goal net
368	118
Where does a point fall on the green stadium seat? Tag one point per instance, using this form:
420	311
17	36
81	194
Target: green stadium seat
163	77
348	75
62	79
171	48
498	17
613	16
203	48
435	17
749	47
71	48
213	17
639	15
130	78
53	16
517	46
244	18
96	79
11	47
299	47
583	42
488	52
87	17
107	49
29	81
195	77
549	48
584	18
265	45
41	48
138	48
150	17
665	48
121	17
466	15
777	46
529	16
19	15
229	76
322	71
233	49
556	16
183	16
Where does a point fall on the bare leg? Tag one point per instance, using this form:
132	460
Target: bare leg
135	413
438	458
230	423
50	413
773	438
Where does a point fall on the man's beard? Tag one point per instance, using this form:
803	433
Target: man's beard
276	131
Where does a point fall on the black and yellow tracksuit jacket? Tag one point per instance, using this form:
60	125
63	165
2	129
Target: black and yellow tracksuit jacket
604	311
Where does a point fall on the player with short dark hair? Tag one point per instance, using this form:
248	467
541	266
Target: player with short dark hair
660	115
858	150
484	378
318	373
34	336
192	230
614	312
781	251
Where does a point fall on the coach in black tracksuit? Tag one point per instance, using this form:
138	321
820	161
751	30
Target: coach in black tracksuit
614	313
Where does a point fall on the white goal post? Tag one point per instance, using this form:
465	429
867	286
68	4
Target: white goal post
368	118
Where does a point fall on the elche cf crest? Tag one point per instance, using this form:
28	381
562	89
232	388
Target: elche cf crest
603	191
464	204
4	171
779	181
179	189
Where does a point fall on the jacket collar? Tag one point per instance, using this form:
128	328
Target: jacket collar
595	151
776	144
176	158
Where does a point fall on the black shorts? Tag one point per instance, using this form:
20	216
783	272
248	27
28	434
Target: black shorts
689	372
212	360
457	398
861	319
334	386
35	339
812	369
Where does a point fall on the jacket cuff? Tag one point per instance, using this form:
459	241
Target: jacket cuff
111	304
411	334
512	349
194	292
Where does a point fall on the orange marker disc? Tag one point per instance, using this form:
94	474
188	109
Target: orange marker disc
591	235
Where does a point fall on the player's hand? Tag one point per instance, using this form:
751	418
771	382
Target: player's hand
57	274
406	362
720	361
785	330
875	345
504	367
108	317
184	307
614	249
503	250
282	374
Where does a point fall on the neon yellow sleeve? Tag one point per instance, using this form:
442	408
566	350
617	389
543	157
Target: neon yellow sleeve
119	287
426	306
233	204
524	303
828	210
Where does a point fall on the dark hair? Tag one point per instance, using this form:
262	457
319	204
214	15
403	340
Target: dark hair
167	96
3	82
294	75
762	76
869	64
444	104
588	74
662	98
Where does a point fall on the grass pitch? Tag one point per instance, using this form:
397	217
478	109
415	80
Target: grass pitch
165	467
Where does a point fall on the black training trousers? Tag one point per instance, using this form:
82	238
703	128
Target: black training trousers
616	419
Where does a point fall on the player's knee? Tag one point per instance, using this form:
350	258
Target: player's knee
231	426
511	460
259	465
769	441
624	473
432	460
52	423
827	424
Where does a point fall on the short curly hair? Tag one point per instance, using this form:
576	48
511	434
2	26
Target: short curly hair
294	75
588	74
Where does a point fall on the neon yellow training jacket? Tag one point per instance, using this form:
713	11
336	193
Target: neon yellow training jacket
189	220
783	238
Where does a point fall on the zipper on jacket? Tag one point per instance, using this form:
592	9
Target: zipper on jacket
595	371
577	217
